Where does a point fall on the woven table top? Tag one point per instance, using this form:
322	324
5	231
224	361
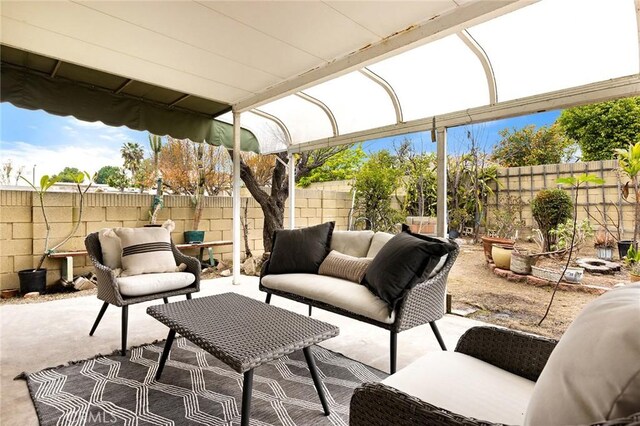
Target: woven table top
241	332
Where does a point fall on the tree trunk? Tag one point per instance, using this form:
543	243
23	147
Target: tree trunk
272	204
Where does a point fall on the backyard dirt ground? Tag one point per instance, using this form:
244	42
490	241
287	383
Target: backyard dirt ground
520	306
473	286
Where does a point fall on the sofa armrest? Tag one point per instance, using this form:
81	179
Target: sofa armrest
518	353
264	268
375	404
426	301
193	264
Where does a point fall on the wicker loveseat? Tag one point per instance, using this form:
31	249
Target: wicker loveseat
423	304
498	376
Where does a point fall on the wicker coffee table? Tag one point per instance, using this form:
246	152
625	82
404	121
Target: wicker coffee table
244	334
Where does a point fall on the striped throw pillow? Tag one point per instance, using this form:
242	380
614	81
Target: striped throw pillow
343	266
145	250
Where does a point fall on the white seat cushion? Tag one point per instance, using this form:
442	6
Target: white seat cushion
337	292
142	285
465	385
353	243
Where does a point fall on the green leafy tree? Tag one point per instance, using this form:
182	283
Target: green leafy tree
119	180
69	174
132	154
375	183
550	208
103	174
531	147
342	166
602	128
420	182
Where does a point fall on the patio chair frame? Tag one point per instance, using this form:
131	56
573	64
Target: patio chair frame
109	292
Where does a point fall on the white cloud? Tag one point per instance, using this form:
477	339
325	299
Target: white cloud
52	160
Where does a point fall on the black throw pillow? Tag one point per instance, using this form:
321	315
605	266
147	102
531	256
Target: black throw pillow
300	250
401	263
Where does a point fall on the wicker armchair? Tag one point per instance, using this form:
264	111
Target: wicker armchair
108	290
521	354
423	304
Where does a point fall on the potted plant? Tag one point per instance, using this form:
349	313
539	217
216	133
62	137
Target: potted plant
632	260
194	235
604	243
629	162
32	280
457	219
506	223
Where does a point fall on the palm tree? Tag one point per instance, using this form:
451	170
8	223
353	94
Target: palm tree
132	154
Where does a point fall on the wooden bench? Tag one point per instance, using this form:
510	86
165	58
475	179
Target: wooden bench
67	256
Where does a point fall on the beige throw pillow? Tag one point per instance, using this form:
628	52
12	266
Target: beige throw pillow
593	374
111	249
344	266
145	250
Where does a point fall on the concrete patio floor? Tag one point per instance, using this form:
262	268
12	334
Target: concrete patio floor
41	335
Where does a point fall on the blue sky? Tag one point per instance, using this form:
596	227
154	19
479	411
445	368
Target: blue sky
50	142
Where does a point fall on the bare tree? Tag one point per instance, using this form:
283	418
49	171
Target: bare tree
272	201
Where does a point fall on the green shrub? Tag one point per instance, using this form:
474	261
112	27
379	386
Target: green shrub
551	207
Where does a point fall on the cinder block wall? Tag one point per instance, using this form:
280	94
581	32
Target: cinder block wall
525	182
22	227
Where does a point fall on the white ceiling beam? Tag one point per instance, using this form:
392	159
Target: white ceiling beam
582	95
469	14
482	56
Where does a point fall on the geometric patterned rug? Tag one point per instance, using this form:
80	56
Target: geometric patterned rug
195	389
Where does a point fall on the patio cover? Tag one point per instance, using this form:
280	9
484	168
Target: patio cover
310	74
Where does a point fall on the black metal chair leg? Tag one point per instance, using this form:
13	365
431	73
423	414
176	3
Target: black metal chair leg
165	300
316	379
310	307
188	296
435	330
268	299
165	353
125	320
393	352
247	388
104	307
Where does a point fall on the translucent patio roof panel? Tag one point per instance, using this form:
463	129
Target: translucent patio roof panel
304	120
436	78
272	138
552	45
356	101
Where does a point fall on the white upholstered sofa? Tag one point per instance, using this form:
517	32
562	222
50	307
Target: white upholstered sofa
422	304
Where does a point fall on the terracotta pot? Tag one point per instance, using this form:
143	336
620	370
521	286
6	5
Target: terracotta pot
501	255
487	243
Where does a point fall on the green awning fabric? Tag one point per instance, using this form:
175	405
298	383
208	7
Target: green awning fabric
32	90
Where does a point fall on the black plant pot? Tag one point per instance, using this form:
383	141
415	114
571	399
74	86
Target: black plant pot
33	280
623	247
453	234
